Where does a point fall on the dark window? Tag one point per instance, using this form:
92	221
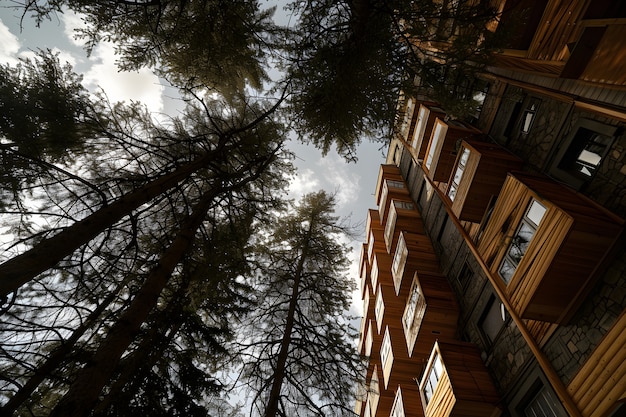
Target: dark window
585	152
529	115
465	276
542	404
492	319
582	152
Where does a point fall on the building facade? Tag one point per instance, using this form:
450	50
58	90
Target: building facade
493	274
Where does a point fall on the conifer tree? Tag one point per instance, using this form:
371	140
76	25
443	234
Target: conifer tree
299	353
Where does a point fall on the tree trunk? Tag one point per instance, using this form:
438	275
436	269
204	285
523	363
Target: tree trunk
22	268
57	356
84	391
273	401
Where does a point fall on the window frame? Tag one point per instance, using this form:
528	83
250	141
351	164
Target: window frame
531	226
572	177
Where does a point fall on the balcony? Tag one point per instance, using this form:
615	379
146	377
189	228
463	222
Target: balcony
386	172
391	190
426	116
431	313
414	252
456	383
407	402
547	244
441	151
477	176
408	120
403	216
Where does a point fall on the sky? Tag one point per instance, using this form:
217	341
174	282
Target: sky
353	183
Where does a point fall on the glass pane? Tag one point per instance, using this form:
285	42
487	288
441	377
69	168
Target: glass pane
431	151
528	121
519	243
535	212
420	126
428	392
507	269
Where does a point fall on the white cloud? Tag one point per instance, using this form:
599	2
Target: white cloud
65	56
9	45
342	178
141	85
304	181
71	22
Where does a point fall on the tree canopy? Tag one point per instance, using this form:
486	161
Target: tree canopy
138	244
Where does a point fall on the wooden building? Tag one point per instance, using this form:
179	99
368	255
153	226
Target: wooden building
442	148
506	278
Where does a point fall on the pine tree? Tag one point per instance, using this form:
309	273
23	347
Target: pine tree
299	355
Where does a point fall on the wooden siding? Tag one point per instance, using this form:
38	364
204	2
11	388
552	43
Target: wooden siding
607	63
386	172
440	317
444	149
601	382
388	194
483	176
567	246
426	116
559	26
420	257
465	388
401	219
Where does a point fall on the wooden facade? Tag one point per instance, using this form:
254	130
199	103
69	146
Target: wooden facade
462	387
419	255
442	148
431	314
403	216
426	116
568	245
477	177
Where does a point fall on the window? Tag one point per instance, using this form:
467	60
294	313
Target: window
415	308
374	274
420	126
584	154
458	174
437	136
581	155
400	256
541	405
432	378
380	308
394	184
465	276
370	246
529	115
385	349
520	241
408	116
398	407
492	319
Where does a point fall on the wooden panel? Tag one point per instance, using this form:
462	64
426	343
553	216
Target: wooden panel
568	246
601	382
607	63
559	26
465	388
439	317
442	148
483	176
386	172
426	116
